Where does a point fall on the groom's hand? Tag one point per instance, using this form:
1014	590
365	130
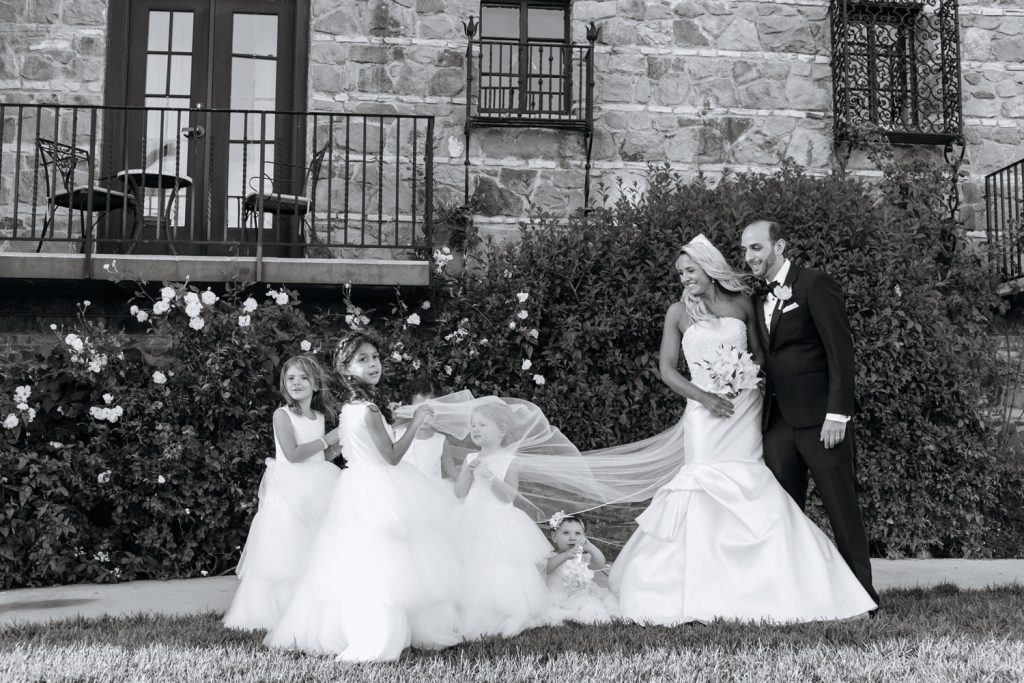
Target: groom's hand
832	433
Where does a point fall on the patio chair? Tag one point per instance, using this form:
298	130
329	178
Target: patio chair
284	204
60	162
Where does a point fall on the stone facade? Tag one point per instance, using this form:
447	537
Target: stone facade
702	85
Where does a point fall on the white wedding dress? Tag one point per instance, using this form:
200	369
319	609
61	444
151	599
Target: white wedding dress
723	539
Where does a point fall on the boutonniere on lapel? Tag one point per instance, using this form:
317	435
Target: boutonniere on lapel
782	292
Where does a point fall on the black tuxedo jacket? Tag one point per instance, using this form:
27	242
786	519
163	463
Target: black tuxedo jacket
809	352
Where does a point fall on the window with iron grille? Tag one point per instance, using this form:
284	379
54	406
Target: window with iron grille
527	69
896	68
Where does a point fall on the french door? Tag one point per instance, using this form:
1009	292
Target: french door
204	56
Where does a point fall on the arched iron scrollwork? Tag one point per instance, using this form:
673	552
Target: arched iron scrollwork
896	69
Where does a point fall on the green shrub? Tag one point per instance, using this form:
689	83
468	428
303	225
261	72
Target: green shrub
568	316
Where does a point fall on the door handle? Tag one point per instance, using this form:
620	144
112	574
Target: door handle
193	132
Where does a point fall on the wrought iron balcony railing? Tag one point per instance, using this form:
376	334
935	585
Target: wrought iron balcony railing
1004	220
896	68
529	83
115	180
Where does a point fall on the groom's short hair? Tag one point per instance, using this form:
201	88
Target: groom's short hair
775	230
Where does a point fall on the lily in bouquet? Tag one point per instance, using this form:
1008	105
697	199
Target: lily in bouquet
730	371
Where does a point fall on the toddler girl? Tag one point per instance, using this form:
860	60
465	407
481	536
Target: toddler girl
293	497
576	576
501	548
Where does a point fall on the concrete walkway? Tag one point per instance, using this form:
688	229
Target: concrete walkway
193	596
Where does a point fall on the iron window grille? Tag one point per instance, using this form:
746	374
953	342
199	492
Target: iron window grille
527	71
896	68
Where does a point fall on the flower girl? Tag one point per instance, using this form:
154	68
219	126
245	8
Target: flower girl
381	575
427	451
293	496
576	581
501	548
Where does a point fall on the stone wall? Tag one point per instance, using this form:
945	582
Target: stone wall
703	85
53	50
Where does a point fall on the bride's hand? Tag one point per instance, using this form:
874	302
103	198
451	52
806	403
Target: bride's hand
719	406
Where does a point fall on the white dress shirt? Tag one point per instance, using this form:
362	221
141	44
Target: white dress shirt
770	301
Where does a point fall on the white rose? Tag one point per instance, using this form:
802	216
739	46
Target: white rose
142	316
539	380
11	421
193	309
209	298
416	364
243	321
425	305
31	412
512	325
197	323
159	377
447	369
364	320
191	298
134	310
527	364
53	326
108	399
249	305
413	319
203	572
56	444
161	307
87	303
305	345
160	479
22	393
22	406
522	315
281	298
523	296
103	477
167	294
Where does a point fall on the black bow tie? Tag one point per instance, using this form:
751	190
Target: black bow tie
763	288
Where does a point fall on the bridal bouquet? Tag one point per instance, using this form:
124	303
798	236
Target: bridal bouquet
730	371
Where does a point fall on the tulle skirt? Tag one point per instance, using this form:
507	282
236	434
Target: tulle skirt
503	554
382	574
293	498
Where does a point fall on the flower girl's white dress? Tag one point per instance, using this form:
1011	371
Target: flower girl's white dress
293	497
723	538
575	596
503	553
382	574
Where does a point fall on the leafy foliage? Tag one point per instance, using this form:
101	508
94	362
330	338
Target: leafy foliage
568	316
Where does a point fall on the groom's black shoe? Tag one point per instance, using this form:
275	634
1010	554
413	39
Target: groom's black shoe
873	614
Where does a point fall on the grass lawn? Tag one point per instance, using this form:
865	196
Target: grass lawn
941	634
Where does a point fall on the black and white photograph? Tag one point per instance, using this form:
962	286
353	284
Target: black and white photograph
511	340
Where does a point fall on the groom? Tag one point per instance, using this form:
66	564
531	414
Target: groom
809	394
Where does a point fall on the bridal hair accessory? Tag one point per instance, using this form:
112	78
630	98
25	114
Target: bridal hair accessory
701	239
556	520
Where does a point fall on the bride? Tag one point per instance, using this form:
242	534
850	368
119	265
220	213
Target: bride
723	539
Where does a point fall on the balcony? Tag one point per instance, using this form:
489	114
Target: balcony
896	69
215	195
537	83
1004	216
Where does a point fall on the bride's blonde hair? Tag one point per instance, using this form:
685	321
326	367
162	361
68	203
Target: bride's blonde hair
709	259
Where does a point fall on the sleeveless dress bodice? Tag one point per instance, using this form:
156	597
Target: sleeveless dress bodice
702	340
306	430
356	442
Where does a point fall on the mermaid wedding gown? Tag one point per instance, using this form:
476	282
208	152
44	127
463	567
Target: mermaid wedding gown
723	539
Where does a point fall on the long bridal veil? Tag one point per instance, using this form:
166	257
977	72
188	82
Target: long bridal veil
554	476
